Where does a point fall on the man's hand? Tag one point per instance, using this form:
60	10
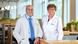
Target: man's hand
37	41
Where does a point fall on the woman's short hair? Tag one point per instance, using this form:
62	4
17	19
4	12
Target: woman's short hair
51	6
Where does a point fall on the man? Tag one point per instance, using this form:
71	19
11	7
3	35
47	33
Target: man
52	24
27	29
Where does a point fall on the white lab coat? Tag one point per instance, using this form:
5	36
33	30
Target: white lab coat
21	31
52	28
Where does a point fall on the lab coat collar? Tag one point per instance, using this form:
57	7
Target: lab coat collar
51	21
27	17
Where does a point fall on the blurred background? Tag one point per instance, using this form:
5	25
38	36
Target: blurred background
11	10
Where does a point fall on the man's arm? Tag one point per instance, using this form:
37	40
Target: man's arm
39	34
39	30
17	31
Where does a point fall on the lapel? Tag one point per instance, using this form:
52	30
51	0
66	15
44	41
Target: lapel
52	20
25	27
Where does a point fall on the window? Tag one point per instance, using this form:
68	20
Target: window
66	11
76	10
18	8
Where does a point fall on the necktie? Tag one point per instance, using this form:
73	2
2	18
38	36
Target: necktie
31	28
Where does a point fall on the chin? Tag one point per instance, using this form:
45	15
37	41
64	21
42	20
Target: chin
31	15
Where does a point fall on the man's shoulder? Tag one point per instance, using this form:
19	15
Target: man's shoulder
21	19
35	19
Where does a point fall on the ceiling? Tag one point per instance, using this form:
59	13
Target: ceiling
13	0
9	0
4	3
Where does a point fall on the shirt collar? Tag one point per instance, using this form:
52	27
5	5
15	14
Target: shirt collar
27	16
52	19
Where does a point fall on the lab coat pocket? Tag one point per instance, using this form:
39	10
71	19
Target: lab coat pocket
24	41
52	27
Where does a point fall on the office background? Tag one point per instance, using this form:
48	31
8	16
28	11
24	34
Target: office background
11	10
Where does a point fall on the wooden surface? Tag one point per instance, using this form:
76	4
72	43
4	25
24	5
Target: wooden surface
8	22
68	33
60	42
9	39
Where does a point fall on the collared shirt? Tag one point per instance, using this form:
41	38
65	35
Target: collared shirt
52	28
27	17
34	25
22	29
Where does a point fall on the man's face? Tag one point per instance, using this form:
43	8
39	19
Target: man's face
51	11
29	10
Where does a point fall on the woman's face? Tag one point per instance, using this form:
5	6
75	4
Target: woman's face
51	11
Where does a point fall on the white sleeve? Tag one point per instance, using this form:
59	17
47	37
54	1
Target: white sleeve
43	18
16	32
39	31
60	30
